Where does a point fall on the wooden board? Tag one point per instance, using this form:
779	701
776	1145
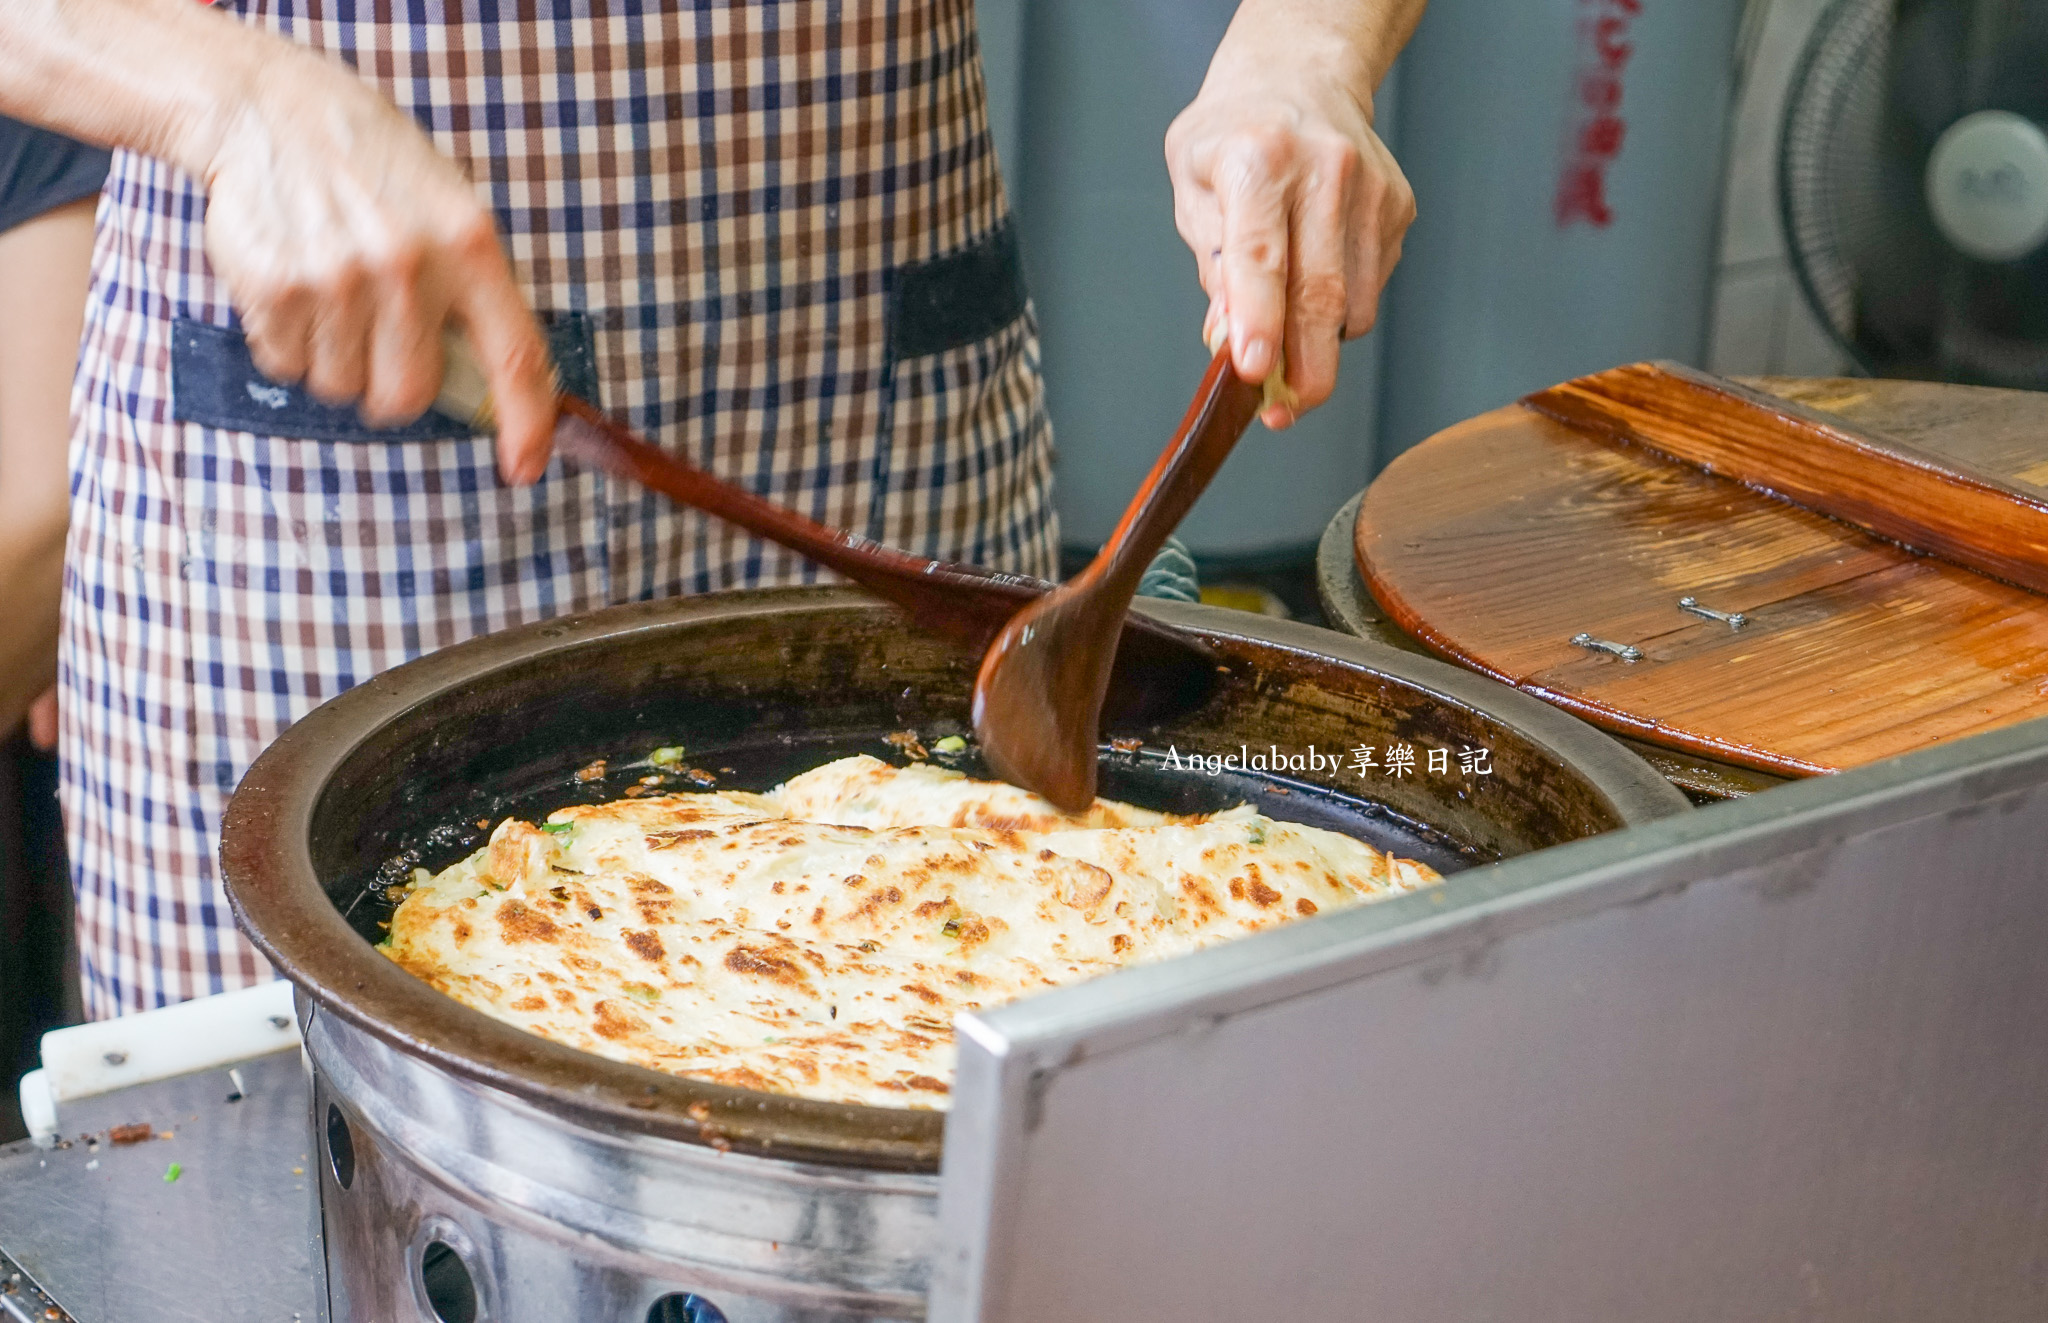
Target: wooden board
1862	476
1496	541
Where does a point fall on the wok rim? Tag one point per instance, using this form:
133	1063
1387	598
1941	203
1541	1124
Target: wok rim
276	897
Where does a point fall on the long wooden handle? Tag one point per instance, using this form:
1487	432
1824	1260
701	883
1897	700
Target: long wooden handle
1158	669
964	601
1223	407
584	433
1883	485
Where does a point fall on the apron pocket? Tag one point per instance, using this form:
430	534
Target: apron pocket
958	298
214	383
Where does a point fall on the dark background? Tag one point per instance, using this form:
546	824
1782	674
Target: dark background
38	976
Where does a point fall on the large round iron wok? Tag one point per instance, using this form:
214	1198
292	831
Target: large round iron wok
470	1171
411	768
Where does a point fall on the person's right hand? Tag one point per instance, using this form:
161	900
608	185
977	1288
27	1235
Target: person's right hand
347	242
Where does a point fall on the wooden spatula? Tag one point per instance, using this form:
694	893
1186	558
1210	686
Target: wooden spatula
1039	700
1158	670
1928	502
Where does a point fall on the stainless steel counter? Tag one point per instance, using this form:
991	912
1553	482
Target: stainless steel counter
231	1239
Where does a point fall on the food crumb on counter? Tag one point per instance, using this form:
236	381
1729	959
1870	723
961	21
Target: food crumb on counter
173	1172
140	1132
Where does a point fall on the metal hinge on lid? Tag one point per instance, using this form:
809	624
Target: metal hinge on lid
1732	619
1628	652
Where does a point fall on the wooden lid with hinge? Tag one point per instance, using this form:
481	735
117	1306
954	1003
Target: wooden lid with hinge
1550	545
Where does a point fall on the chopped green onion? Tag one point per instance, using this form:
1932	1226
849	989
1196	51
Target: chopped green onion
643	993
951	744
173	1172
669	755
951	928
558	828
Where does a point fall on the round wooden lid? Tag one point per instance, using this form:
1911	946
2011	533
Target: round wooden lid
1557	561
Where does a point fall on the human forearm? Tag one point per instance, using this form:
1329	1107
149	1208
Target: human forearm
43	269
32	561
1294	208
345	240
163	77
1351	43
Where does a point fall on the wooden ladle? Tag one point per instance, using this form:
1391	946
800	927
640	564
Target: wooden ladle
1158	670
1040	697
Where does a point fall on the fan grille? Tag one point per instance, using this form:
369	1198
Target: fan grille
1877	85
1829	188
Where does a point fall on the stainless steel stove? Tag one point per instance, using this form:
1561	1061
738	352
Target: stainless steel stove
1779	1058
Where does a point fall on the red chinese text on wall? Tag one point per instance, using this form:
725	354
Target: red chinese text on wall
1596	128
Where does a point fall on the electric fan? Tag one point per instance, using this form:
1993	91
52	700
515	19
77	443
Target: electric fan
1913	186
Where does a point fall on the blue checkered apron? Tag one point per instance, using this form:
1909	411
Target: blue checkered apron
731	199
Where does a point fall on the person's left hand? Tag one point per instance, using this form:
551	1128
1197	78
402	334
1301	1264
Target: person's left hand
1295	211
